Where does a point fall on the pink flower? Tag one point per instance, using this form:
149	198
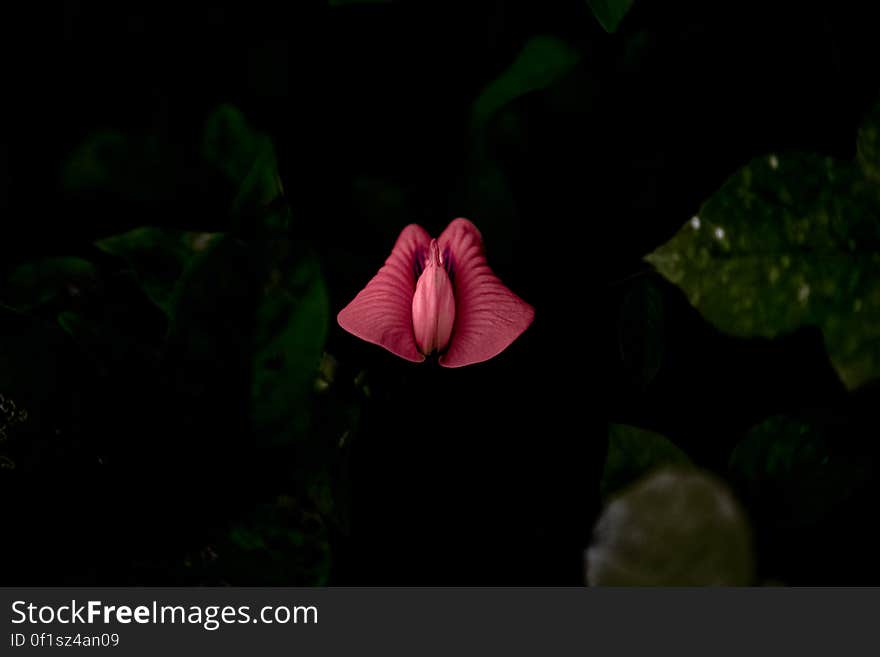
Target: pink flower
438	295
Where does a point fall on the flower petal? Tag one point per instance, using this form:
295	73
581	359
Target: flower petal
381	313
488	316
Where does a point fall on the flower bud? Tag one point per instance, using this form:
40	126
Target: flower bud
433	306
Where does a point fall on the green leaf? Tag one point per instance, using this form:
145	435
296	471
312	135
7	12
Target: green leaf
210	327
255	309
787	242
37	283
610	13
246	156
542	61
485	191
291	328
157	256
634	452
796	471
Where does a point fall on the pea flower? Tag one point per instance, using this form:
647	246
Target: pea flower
438	296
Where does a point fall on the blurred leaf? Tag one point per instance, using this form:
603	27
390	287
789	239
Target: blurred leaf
640	332
246	156
256	310
485	190
282	543
210	305
110	347
787	242
157	256
610	13
75	326
542	61
291	327
795	471
134	168
208	350
634	452
93	337
37	283
677	526
145	180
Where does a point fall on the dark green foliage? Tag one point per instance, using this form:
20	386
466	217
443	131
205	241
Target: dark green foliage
789	241
224	329
246	158
543	61
157	256
44	281
610	12
634	453
135	168
801	470
181	224
282	542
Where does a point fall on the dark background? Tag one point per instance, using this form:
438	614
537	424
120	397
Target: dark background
127	472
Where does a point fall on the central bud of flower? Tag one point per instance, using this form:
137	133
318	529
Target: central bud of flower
433	305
